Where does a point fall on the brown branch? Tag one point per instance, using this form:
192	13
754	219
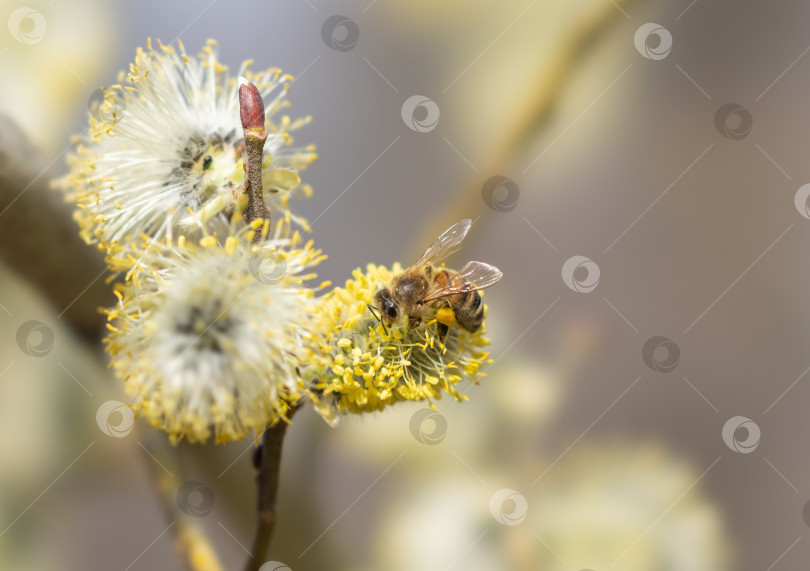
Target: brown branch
40	240
267	461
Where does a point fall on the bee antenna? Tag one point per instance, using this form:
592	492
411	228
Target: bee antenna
377	317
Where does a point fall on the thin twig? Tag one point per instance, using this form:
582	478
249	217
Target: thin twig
251	111
267	456
267	461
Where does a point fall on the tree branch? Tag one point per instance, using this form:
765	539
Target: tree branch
532	112
267	461
40	240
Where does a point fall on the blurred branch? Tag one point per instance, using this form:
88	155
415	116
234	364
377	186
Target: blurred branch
533	112
192	544
40	240
538	107
267	462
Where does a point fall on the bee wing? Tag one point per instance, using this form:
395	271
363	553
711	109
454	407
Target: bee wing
445	244
473	276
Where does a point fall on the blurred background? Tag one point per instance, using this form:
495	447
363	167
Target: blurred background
635	168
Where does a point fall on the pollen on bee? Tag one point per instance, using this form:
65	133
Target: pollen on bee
445	316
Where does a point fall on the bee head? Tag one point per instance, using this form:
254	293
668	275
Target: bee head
388	309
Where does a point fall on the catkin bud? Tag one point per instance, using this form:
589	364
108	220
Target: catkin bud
251	107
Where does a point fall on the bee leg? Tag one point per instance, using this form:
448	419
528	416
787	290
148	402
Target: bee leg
441	331
414	322
377	317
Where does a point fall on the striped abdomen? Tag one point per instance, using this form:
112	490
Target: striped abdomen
466	306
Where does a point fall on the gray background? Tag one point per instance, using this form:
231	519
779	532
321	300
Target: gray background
696	237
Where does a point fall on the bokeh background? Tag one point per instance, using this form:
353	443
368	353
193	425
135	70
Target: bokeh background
646	407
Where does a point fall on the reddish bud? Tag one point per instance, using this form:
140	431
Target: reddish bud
251	107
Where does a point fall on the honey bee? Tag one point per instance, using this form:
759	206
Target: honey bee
423	287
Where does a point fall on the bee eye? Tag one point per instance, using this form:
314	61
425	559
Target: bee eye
207	162
391	311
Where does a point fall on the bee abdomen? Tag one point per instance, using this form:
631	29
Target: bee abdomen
466	305
469	311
